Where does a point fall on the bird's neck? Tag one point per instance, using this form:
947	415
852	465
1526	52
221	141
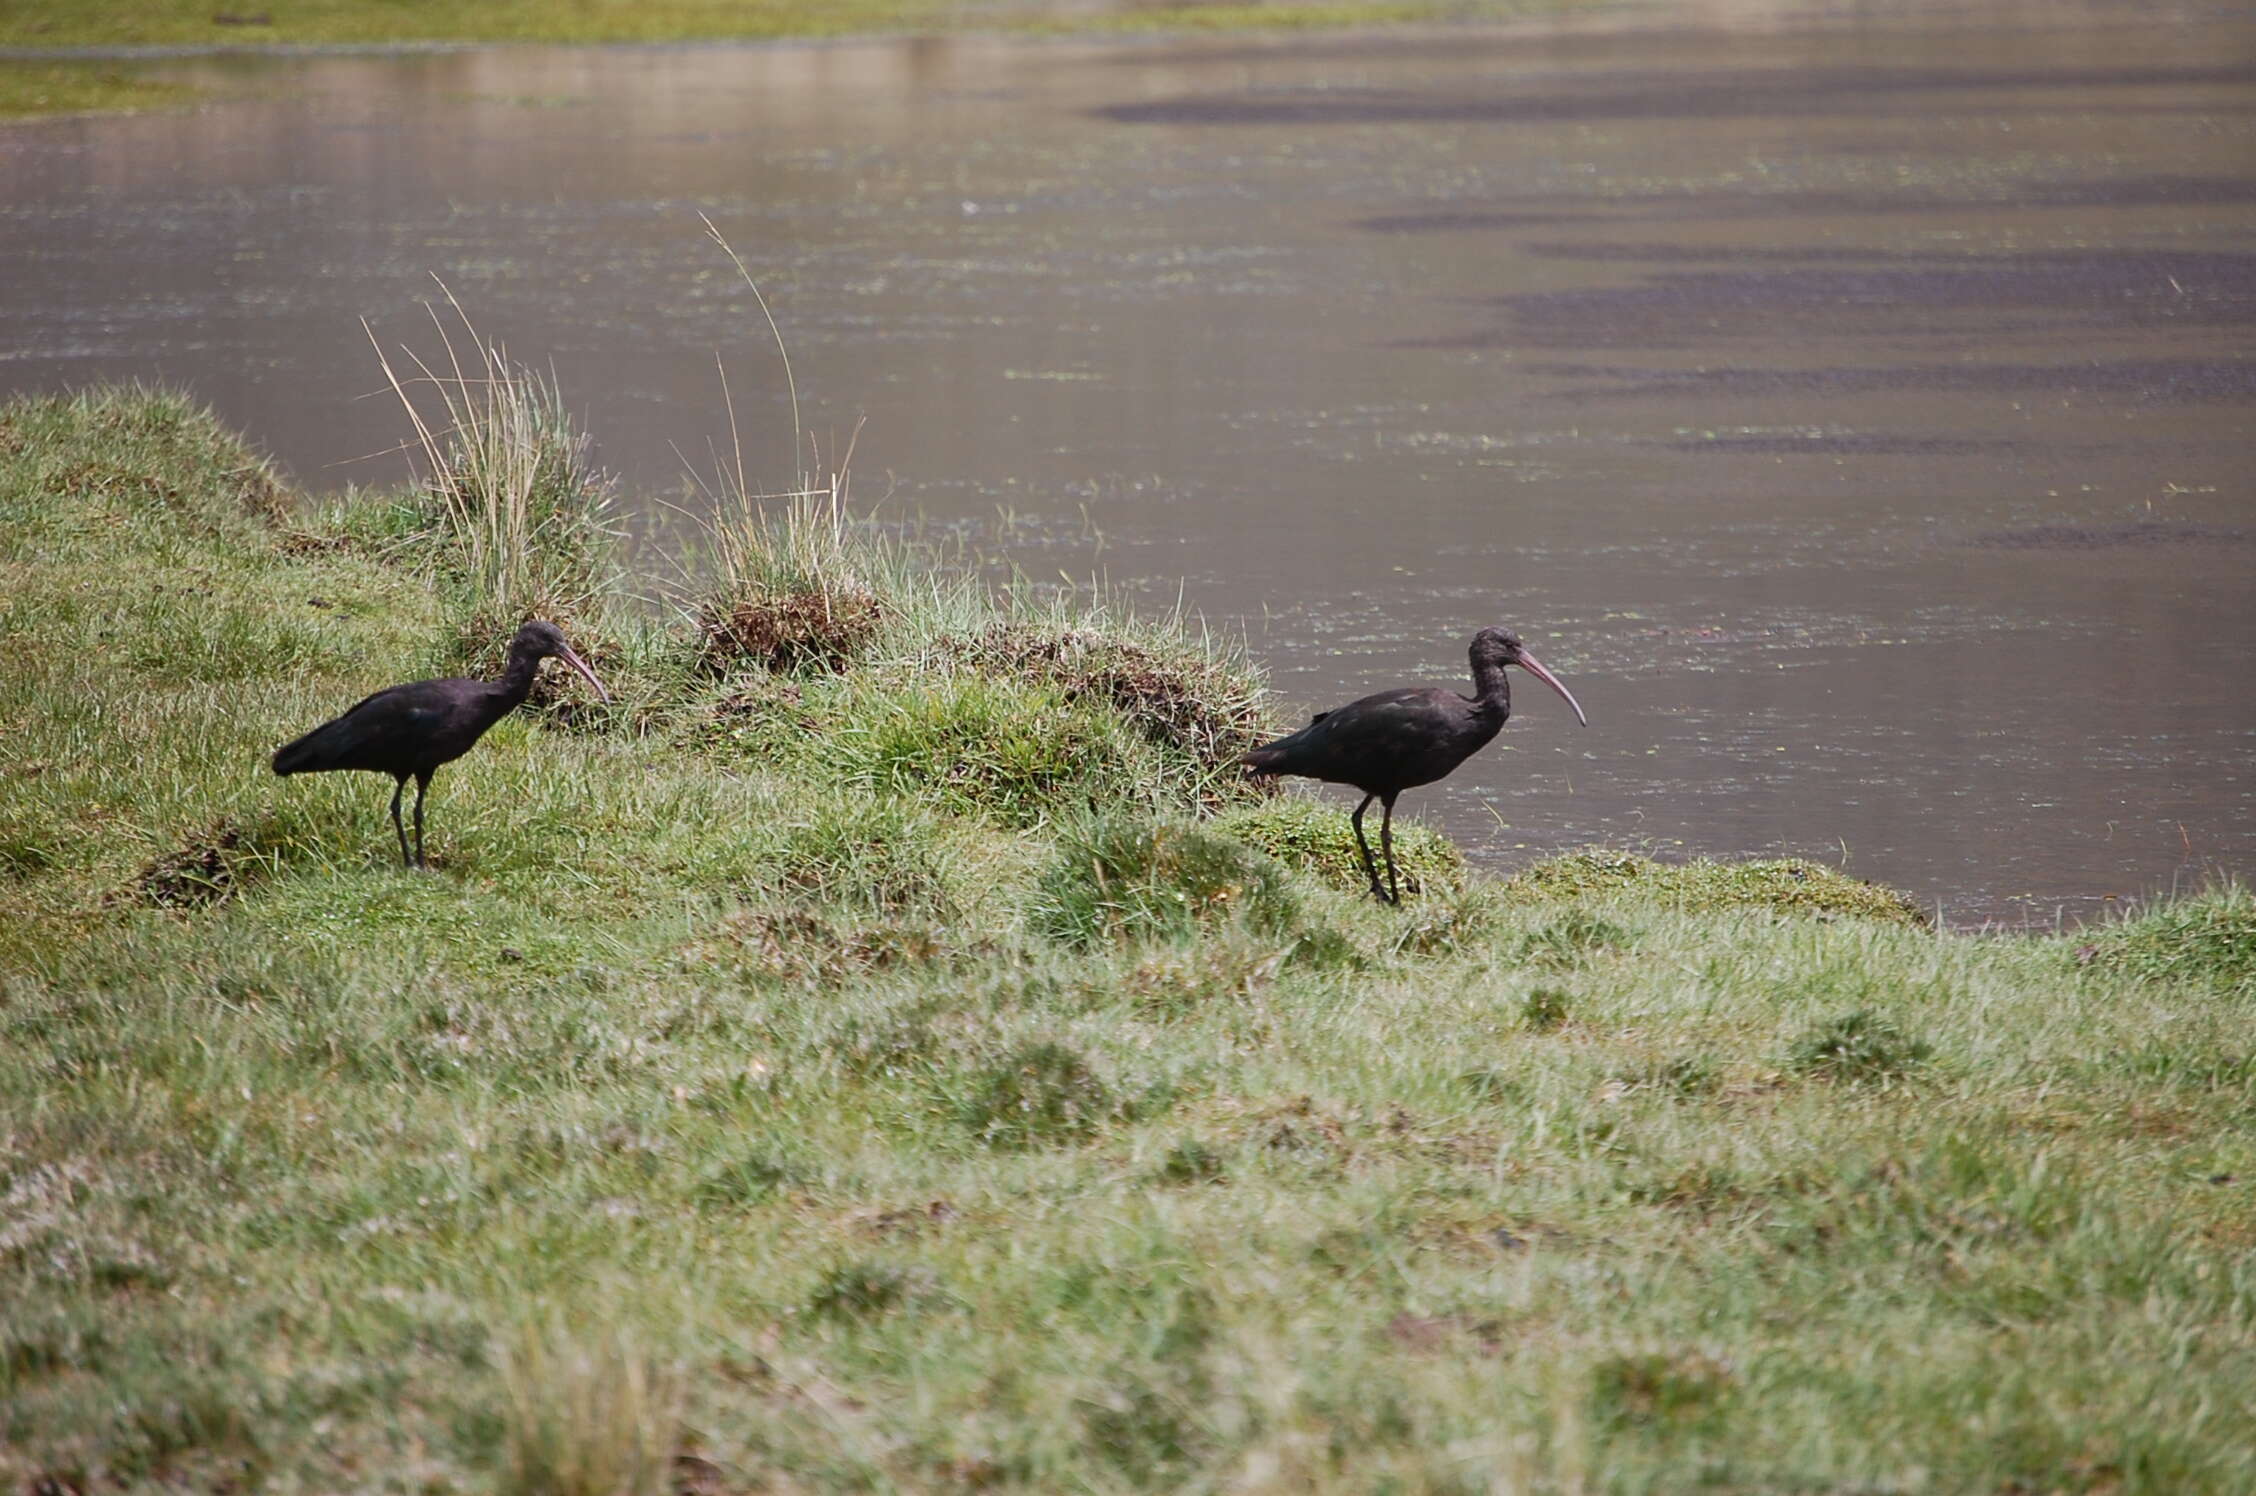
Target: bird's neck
516	681
1492	693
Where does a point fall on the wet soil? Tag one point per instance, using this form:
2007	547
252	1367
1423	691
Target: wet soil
1854	404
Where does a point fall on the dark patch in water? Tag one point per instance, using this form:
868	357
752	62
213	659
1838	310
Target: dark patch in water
2224	264
1841	444
1448	220
2115	289
1720	94
1721	204
2155	381
2110	537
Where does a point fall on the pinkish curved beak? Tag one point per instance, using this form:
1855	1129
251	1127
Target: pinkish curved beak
1535	668
564	653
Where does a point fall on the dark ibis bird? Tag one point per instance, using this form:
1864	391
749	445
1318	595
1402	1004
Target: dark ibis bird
1398	740
409	731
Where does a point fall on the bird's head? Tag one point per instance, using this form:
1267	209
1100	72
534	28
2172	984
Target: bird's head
1495	647
540	638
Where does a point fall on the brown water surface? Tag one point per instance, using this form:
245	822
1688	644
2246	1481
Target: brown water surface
1854	405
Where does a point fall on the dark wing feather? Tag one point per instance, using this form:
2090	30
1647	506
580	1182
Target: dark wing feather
371	735
1382	743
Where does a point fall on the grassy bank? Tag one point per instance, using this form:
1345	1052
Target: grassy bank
62	87
30	89
141	23
886	1051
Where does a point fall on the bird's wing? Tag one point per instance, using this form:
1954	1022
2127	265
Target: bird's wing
402	713
410	703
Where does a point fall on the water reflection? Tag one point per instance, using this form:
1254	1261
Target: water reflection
1853	406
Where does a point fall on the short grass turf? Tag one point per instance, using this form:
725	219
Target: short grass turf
711	1124
43	88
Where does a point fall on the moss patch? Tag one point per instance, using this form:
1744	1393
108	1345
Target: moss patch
1790	886
1320	838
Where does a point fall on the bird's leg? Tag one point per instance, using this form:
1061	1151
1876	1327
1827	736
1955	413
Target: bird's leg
422	783
1370	869
399	787
1386	844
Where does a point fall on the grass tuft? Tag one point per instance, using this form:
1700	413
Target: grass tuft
1544	1009
859	1289
520	517
586	1418
2207	941
1862	1046
1123	879
1192	1161
1658	1387
1040	1095
1573	940
1184	695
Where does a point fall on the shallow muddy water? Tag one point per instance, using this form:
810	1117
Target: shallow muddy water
1854	406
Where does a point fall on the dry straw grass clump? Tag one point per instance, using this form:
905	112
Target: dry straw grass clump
801	588
816	629
795	591
520	514
586	1418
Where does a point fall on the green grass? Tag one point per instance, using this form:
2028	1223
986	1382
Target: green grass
31	89
71	86
152	23
724	1115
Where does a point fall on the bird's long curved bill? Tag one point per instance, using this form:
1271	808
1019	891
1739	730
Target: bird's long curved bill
588	675
1535	668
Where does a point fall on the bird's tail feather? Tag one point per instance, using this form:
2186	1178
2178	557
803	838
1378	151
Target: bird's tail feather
1263	760
309	753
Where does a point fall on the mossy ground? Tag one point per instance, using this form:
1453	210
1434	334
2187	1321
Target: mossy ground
716	1118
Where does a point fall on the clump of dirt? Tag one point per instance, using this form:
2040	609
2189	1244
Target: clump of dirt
811	629
198	873
1193	705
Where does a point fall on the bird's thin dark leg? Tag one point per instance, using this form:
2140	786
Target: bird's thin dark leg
399	787
422	783
1370	869
1386	844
